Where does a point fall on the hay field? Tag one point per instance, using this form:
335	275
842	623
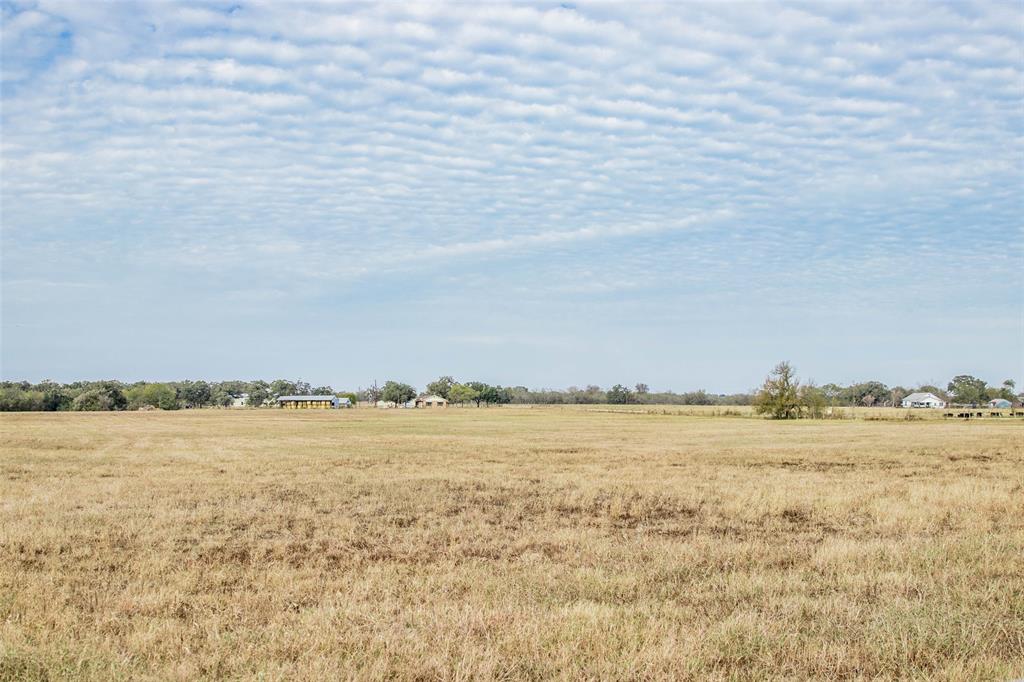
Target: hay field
508	544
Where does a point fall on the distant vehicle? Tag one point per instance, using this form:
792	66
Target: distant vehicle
924	400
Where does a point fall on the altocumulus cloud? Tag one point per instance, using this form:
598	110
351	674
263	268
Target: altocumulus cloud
257	168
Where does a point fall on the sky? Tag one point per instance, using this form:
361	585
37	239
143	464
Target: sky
529	194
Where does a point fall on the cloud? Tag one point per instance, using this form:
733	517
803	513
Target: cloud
716	148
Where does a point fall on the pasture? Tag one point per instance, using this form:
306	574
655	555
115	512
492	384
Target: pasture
508	544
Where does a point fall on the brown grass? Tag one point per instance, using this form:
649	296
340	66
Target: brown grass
511	544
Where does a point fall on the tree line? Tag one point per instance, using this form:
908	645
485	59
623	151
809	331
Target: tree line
782	394
173	395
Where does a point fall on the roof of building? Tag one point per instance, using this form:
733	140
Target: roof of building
432	398
308	397
1001	402
920	397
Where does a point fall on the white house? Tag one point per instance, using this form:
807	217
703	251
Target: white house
924	400
239	400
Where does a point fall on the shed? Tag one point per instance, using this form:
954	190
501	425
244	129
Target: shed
431	401
924	400
308	402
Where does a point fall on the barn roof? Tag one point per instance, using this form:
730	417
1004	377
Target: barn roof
307	397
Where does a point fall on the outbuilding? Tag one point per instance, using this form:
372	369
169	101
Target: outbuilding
431	401
1000	403
924	400
308	402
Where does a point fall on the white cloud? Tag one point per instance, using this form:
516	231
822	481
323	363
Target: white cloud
327	142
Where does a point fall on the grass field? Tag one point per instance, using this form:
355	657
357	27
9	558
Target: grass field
508	543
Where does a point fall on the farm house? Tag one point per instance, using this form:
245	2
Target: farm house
924	400
308	402
431	401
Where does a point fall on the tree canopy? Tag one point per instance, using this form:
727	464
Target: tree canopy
967	390
779	396
441	387
398	393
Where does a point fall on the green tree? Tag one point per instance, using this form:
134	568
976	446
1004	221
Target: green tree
833	393
779	397
483	391
1007	390
813	401
195	393
867	394
619	395
698	397
441	387
104	395
397	393
461	393
897	394
221	396
163	396
967	390
259	394
280	387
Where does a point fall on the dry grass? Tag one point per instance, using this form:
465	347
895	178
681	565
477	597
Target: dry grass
515	544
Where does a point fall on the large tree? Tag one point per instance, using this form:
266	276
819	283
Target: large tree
967	390
195	393
867	393
482	391
441	387
1007	390
461	393
101	395
779	397
619	395
397	393
280	387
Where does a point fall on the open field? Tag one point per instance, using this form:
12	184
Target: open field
508	543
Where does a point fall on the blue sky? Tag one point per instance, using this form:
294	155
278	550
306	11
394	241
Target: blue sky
540	194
